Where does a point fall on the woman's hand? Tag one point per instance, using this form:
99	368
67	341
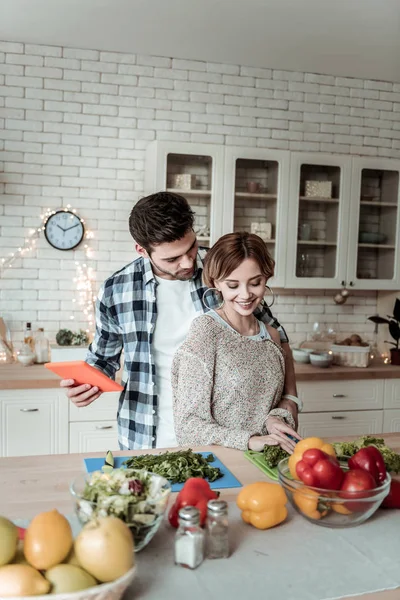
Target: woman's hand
280	430
257	442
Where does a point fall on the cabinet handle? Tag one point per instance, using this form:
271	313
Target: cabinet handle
351	283
29	409
103	427
338	417
343	283
339	396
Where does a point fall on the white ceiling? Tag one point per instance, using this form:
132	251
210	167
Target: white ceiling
359	38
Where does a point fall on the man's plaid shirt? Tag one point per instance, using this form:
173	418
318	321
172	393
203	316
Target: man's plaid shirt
126	314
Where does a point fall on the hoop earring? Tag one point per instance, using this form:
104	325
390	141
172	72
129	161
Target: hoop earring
215	293
272	294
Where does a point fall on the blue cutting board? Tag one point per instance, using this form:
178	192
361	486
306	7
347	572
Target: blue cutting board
228	480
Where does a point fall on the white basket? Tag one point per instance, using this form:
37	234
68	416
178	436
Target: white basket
351	356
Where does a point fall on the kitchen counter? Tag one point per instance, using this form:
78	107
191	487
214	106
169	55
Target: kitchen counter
38	483
306	372
17	377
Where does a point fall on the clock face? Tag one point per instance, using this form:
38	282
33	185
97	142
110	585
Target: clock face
64	230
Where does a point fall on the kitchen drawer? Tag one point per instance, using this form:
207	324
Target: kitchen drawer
32	423
330	424
391	421
392	393
327	396
103	409
93	436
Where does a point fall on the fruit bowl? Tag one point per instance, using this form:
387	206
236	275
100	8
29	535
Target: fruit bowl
137	497
110	591
329	508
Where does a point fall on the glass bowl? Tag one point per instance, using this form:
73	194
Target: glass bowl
142	512
330	508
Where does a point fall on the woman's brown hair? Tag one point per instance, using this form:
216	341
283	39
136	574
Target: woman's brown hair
230	251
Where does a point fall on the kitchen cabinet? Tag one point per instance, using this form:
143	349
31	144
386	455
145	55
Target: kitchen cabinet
327	424
391	421
373	249
317	227
33	422
330	220
103	409
256	197
350	235
195	171
342	407
320	396
392	393
93	436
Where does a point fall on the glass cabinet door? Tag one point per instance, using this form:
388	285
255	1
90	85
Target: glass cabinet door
194	171
374	249
254	198
316	224
191	176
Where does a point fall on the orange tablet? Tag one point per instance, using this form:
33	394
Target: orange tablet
81	373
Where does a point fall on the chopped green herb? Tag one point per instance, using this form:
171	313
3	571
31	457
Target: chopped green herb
178	466
273	455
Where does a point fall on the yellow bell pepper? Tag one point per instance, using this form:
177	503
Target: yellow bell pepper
306	444
262	504
341	509
307	501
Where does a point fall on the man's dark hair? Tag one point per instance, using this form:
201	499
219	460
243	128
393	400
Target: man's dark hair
160	218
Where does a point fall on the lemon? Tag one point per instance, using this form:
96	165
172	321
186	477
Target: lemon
8	541
22	580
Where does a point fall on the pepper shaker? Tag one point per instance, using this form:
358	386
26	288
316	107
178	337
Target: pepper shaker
217	528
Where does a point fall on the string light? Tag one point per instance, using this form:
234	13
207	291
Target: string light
85	275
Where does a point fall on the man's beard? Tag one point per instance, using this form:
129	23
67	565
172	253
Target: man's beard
180	275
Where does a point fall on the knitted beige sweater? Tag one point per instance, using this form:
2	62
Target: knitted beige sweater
225	385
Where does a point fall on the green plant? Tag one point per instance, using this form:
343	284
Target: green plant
64	337
80	339
393	321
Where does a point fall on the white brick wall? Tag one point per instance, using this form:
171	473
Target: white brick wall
74	126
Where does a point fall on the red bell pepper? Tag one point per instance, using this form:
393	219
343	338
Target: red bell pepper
318	469
371	460
21	533
196	492
393	498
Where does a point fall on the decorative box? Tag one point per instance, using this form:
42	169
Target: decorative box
351	356
264	230
183	181
318	189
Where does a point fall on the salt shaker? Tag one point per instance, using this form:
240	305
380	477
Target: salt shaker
217	529
189	538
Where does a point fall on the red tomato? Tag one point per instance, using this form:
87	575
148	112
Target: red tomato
356	483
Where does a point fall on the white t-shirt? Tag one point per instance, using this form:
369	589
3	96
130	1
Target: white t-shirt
175	313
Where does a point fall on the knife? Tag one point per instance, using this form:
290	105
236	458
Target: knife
108	463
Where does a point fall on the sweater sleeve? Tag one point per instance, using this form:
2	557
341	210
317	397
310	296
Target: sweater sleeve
192	386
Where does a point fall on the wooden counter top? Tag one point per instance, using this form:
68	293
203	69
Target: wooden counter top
17	377
38	483
374	371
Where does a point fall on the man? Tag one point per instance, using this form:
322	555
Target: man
146	310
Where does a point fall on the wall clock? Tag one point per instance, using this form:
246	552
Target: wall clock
64	230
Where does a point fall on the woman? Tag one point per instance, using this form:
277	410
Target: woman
228	375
